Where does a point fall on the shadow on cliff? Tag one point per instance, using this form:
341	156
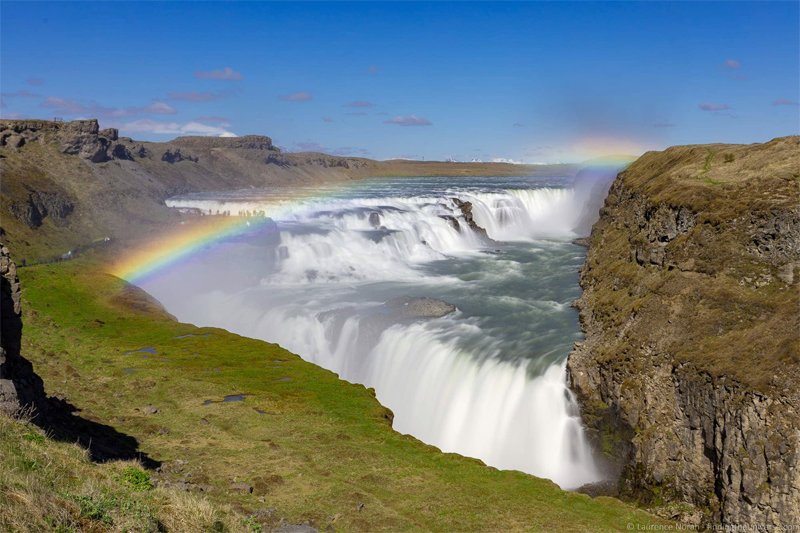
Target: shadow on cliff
22	390
62	421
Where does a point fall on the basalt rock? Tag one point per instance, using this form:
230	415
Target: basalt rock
420	307
466	212
41	204
83	138
19	386
175	156
688	375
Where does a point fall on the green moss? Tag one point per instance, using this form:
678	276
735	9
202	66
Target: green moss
136	478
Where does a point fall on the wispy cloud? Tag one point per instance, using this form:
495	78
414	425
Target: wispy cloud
350	150
372	69
35	81
312	146
223	122
663	125
732	63
65	106
784	101
301	96
359	103
192	96
160	108
226	73
24	93
714	107
408	120
173	128
327	119
357	113
309	146
73	107
518	125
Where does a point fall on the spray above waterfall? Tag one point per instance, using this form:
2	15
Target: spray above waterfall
324	276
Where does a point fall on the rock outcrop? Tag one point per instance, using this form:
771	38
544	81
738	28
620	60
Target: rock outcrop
466	212
40	204
176	156
420	307
19	386
78	137
688	375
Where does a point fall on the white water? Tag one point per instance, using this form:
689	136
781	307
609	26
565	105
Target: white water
487	381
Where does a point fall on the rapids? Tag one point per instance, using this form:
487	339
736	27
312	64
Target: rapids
486	381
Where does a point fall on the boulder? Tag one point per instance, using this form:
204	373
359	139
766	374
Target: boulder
420	307
375	219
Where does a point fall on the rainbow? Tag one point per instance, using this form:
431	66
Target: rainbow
196	235
184	243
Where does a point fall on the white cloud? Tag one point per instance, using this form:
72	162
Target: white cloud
147	125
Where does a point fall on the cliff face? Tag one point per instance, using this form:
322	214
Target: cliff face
688	375
19	386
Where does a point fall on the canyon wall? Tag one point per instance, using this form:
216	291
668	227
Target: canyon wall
688	376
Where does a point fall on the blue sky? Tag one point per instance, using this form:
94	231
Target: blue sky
549	81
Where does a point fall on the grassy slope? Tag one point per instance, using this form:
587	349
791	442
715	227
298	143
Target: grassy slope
52	486
312	446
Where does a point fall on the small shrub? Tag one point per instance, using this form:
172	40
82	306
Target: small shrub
96	509
137	479
29	465
728	158
251	524
38	438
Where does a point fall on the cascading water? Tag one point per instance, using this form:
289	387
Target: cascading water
487	380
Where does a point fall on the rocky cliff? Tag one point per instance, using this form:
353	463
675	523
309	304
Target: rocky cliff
688	376
19	386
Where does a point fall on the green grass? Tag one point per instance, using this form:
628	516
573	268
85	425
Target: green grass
314	448
65	492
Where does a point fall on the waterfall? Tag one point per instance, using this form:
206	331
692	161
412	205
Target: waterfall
487	381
